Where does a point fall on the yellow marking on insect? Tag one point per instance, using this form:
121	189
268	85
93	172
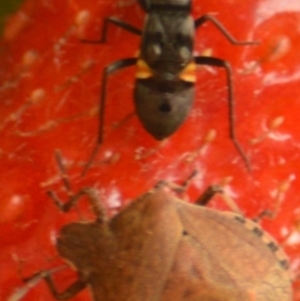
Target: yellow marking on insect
188	74
143	70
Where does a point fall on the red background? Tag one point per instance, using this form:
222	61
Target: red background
41	50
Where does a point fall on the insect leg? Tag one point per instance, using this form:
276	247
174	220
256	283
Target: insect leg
65	207
31	282
178	188
200	21
70	292
208	194
212	61
73	198
211	191
205	197
269	214
124	63
116	22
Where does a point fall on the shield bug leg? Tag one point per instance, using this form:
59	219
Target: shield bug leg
73	198
208	194
124	63
216	62
200	21
65	207
269	214
205	196
70	292
31	282
211	191
179	188
93	198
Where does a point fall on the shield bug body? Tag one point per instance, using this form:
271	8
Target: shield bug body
166	68
161	248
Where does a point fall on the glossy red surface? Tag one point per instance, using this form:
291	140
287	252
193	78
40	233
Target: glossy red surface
49	91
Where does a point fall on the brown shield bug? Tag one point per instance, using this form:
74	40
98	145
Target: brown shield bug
161	248
166	69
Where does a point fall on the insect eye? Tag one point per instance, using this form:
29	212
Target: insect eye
154	48
154	52
184	53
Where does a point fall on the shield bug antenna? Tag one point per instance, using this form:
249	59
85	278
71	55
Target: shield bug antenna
166	69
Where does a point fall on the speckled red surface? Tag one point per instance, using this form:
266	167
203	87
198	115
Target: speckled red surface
49	91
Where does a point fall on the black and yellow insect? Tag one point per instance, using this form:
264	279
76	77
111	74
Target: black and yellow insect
166	68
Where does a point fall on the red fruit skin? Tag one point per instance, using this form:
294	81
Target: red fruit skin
49	88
